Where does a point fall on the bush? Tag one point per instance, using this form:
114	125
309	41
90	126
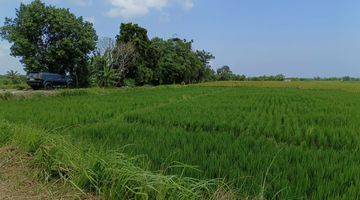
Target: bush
129	83
21	87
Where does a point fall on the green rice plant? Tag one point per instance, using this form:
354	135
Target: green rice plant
103	139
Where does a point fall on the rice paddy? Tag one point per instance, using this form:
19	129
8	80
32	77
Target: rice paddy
241	139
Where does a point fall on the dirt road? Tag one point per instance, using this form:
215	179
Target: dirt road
27	93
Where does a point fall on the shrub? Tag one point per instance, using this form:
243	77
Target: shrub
129	83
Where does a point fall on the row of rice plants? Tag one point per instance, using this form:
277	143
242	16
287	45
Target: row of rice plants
231	133
327	129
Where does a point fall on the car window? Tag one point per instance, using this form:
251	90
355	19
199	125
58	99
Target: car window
34	75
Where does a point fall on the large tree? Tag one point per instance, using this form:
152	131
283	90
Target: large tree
51	39
141	69
205	73
224	73
177	62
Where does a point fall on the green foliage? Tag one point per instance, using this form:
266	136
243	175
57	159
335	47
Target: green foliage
13	81
177	62
157	61
103	75
129	83
224	73
50	39
140	69
206	73
279	77
13	76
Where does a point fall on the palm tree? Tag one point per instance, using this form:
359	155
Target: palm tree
14	76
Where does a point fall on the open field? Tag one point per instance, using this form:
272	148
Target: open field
266	139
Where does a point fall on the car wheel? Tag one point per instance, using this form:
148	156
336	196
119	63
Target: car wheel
48	86
70	85
35	87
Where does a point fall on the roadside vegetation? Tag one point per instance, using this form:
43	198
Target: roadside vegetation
13	80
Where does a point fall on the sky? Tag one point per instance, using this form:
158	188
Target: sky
305	38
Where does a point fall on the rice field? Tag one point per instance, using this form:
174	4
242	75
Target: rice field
271	140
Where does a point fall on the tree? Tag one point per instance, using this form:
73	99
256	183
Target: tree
158	61
141	70
102	75
205	73
13	76
224	73
346	78
123	57
279	77
50	39
111	62
105	46
177	62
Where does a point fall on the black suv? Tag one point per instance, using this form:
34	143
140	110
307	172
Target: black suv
39	80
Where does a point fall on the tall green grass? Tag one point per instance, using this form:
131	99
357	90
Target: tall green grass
276	141
110	174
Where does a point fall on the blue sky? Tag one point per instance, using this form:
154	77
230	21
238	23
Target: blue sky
304	38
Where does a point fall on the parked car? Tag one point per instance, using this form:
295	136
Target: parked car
39	80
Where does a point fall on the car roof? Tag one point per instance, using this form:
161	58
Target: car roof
45	73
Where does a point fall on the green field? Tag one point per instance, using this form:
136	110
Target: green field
273	139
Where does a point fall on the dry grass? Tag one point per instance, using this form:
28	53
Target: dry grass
18	180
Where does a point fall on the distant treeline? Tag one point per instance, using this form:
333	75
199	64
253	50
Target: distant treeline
225	74
345	78
55	40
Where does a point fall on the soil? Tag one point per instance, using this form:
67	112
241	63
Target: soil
18	180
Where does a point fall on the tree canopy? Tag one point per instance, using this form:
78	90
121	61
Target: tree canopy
158	61
50	39
177	62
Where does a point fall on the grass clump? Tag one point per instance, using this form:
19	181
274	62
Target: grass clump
112	175
6	96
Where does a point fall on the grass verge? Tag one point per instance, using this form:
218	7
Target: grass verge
110	175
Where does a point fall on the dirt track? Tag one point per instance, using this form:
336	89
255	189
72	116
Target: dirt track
27	92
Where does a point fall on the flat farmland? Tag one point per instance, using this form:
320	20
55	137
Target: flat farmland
263	139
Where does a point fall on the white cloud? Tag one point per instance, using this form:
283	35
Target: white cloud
137	8
187	4
90	19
